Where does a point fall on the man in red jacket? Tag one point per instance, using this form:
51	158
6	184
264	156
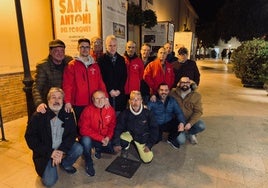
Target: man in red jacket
159	71
135	68
81	78
96	126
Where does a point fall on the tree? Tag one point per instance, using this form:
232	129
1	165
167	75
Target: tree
243	19
207	33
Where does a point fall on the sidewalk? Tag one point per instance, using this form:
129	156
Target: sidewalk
232	151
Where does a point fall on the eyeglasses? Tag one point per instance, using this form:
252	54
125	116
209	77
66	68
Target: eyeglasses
84	47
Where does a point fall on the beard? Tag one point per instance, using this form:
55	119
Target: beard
163	96
185	88
56	107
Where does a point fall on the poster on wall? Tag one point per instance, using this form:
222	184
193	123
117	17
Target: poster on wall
114	22
158	35
74	20
184	39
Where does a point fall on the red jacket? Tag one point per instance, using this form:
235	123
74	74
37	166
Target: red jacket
97	123
154	75
80	82
135	69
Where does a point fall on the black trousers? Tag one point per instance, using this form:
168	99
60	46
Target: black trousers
171	127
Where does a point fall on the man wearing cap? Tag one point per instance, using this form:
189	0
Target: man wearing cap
49	73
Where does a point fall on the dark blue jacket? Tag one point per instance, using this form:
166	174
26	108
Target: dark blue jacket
143	127
164	112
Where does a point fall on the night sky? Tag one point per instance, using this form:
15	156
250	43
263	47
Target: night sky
207	9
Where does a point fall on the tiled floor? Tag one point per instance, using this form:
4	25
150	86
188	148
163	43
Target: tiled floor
232	152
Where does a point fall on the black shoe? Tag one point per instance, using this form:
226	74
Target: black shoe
173	143
124	153
97	155
69	170
90	170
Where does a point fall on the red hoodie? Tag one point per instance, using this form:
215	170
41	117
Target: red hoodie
79	82
154	75
135	69
97	123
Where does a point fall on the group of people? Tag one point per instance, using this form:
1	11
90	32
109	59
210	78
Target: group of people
103	101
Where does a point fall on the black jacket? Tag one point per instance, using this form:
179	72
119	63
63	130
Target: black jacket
143	127
188	68
39	139
114	75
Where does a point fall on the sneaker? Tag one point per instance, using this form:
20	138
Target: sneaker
173	143
90	170
97	155
69	170
193	139
124	153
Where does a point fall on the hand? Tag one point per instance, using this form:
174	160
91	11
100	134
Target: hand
56	156
41	108
180	127
117	149
146	149
153	98
105	141
187	126
68	107
107	103
112	93
117	93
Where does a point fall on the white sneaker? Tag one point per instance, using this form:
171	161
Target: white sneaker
193	139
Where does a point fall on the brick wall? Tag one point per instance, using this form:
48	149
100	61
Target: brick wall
12	96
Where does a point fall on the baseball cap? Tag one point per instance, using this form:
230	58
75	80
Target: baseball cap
56	43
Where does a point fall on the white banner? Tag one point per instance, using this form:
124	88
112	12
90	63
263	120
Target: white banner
114	21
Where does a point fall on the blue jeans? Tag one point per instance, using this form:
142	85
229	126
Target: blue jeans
50	175
89	143
86	142
196	128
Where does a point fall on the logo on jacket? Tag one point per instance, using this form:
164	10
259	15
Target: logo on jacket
135	66
92	70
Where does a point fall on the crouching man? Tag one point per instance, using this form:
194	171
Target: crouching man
136	124
51	136
191	105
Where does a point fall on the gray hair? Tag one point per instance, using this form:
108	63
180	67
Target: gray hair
53	90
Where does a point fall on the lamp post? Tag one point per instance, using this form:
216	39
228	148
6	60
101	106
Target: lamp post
27	80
